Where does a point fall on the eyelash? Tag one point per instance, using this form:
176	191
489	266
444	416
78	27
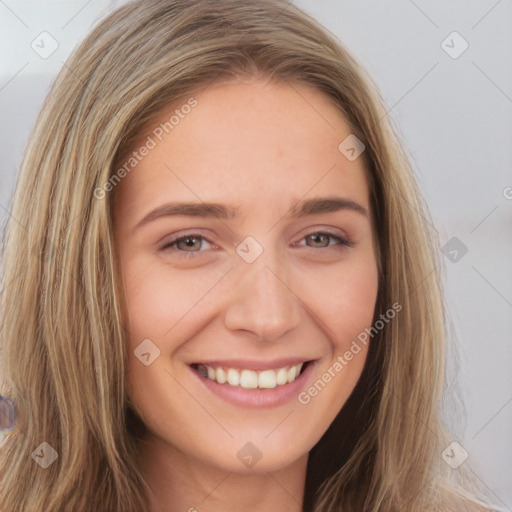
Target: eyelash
186	254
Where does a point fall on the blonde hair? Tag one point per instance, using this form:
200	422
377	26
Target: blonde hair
63	353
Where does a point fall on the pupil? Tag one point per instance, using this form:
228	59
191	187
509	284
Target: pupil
190	242
317	239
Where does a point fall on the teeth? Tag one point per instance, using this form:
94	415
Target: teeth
233	377
282	377
220	376
267	379
292	373
250	379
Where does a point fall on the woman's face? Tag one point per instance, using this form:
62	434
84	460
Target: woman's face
246	250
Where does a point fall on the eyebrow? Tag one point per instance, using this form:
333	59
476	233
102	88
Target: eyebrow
224	212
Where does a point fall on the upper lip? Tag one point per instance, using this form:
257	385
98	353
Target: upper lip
247	364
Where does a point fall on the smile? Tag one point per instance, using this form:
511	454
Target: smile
255	384
251	379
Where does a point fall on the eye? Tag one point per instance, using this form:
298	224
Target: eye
188	243
322	239
194	242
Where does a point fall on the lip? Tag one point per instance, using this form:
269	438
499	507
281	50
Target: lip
246	364
257	398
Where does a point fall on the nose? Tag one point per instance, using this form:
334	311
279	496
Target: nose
262	302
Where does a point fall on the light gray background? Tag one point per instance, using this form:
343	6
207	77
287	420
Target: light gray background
455	115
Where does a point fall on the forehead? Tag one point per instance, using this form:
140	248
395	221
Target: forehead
247	142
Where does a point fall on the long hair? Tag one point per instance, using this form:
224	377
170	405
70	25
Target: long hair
63	350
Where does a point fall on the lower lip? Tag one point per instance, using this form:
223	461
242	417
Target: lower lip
258	398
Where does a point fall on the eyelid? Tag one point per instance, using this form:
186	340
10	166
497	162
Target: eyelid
342	241
169	243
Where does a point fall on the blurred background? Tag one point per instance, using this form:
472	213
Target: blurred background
444	70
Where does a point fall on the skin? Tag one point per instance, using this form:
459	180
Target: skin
262	147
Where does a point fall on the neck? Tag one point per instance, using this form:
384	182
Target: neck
179	483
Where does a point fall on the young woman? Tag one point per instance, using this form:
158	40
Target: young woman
221	290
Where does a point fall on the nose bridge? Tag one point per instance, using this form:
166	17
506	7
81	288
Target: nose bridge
262	301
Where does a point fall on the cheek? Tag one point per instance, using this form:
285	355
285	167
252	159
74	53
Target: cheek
352	306
344	301
344	298
158	298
